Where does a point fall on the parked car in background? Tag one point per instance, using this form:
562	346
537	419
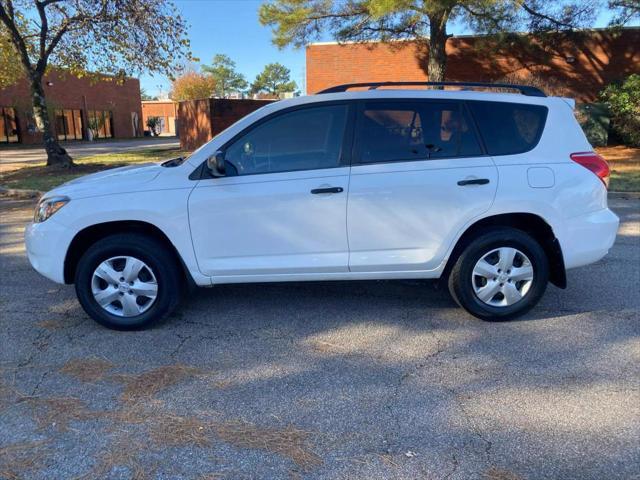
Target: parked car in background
495	193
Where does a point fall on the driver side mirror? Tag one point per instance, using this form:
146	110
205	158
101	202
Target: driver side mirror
216	164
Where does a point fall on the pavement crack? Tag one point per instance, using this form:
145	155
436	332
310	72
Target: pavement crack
183	340
454	467
488	444
37	386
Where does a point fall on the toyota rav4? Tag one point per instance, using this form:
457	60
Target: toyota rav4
494	193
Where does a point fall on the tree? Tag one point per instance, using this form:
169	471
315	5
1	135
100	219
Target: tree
110	36
274	79
296	22
10	70
192	86
624	11
227	80
144	96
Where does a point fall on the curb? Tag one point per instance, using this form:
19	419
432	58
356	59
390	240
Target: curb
19	193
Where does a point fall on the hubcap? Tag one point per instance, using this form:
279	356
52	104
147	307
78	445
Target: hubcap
124	286
502	277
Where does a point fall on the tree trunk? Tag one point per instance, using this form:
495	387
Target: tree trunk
437	65
56	155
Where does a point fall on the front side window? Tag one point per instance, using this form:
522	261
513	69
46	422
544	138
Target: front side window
509	128
401	131
306	139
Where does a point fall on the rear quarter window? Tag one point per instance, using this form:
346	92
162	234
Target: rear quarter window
509	128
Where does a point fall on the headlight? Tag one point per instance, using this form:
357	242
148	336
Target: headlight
48	206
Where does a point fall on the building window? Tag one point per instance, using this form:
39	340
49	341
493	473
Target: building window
101	123
8	125
69	124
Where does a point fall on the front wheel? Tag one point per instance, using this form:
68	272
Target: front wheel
128	281
500	275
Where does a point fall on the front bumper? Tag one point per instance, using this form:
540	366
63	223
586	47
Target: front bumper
47	245
588	238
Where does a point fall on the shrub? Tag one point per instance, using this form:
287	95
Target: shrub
594	120
154	124
623	101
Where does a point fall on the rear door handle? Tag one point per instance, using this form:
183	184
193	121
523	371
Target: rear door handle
473	181
316	191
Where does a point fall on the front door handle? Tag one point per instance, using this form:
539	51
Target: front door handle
316	191
473	181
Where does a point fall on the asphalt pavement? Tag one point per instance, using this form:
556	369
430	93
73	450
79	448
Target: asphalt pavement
335	380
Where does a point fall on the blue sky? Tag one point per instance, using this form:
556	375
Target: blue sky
231	27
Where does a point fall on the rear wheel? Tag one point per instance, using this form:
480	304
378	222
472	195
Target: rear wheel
128	281
500	275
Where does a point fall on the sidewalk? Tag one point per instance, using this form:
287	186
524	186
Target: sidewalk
36	154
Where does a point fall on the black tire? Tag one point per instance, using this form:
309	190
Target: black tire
155	255
461	282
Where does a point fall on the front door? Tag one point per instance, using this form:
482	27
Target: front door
419	176
281	209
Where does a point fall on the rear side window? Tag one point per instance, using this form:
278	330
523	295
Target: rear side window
402	131
509	128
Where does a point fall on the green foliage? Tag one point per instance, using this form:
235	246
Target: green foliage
298	22
623	101
595	121
274	79
153	123
223	72
10	70
109	36
144	96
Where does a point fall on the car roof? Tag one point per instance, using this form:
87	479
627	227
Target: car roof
391	94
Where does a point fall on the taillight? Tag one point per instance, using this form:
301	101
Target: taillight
594	162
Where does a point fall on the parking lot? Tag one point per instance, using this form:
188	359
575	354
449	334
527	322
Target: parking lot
362	380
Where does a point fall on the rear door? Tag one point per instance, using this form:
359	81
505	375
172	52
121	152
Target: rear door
419	175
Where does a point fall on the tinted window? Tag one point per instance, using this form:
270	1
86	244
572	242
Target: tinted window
305	139
398	131
509	128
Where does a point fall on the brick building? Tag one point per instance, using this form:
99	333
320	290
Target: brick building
80	108
579	66
201	120
167	110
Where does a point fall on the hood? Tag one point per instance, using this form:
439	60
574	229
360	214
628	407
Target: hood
116	180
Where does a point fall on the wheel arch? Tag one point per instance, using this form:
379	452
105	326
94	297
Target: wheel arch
91	234
530	223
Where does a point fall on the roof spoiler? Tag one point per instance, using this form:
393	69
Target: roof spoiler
523	89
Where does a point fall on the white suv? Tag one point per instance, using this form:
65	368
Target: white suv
495	193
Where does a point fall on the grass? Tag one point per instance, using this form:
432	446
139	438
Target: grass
42	178
624	163
625	168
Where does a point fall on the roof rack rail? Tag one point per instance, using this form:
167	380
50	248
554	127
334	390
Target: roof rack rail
523	89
